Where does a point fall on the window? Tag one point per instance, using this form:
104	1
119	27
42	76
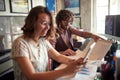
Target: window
101	10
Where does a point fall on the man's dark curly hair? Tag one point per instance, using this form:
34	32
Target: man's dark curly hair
63	15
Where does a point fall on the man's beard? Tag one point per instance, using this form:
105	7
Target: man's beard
64	27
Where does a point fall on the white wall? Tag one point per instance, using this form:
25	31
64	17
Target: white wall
7	6
85	13
9	22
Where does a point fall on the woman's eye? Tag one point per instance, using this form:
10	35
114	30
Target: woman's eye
44	23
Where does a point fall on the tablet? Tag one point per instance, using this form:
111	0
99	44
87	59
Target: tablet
88	48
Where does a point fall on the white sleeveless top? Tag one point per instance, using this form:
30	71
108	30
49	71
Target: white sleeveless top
37	55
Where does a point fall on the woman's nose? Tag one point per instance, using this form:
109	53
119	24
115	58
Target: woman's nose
47	26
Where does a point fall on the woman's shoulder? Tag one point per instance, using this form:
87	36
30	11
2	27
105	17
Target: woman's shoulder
19	39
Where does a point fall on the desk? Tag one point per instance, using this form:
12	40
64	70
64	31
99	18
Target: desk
87	73
5	63
117	73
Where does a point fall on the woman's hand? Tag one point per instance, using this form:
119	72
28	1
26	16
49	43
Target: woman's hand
68	52
74	66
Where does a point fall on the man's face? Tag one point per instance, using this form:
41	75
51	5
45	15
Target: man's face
65	24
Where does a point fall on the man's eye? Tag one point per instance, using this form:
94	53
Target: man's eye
71	23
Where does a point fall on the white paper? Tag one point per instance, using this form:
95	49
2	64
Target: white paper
87	73
100	49
95	51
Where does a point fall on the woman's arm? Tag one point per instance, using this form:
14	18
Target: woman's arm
59	57
67	52
29	71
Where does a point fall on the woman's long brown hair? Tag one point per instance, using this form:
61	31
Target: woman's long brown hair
31	21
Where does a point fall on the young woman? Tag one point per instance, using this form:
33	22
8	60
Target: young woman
31	50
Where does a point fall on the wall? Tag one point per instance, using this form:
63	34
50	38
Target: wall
7	6
85	13
11	23
7	11
59	5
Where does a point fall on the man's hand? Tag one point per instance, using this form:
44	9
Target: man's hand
68	52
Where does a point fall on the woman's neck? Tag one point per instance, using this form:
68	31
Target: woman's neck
36	39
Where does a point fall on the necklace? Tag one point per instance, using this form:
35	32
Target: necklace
36	45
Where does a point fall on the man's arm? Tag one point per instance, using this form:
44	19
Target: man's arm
84	34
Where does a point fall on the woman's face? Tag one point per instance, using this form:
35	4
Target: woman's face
43	24
65	24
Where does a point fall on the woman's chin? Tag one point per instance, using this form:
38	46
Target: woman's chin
44	34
